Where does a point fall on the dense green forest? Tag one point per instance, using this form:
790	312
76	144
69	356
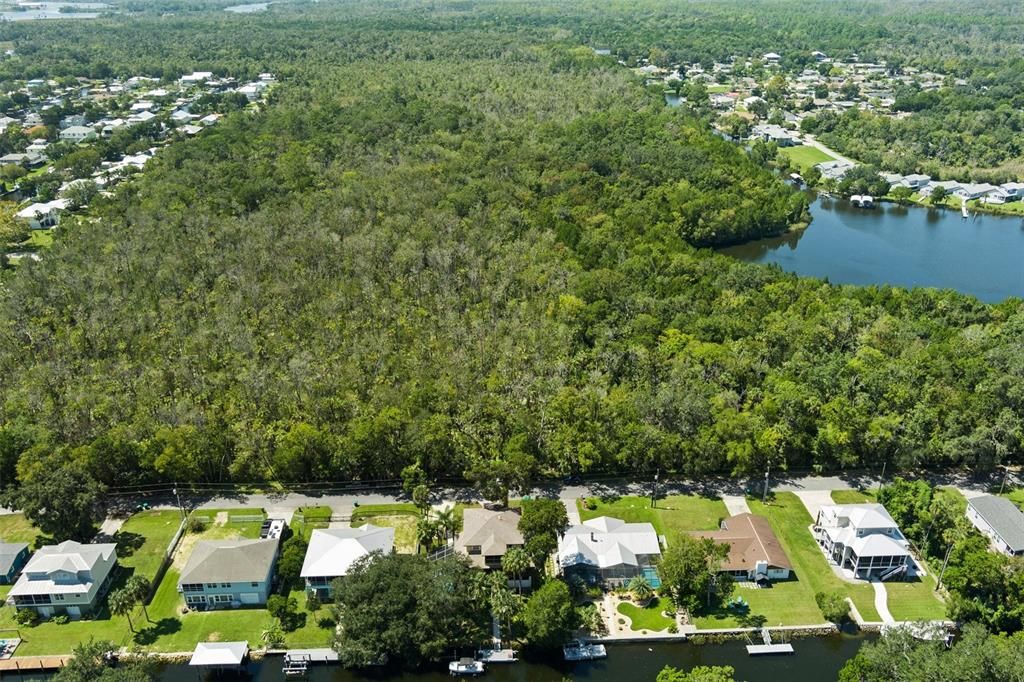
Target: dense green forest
455	241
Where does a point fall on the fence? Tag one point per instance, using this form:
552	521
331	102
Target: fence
166	563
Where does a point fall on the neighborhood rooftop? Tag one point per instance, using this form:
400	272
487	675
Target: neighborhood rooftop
229	561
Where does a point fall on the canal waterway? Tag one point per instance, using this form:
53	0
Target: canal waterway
817	659
906	246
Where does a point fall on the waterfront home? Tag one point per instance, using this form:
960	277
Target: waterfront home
1006	192
333	551
228	573
42	216
486	536
863	539
610	550
833	170
66	579
13	556
914	181
1000	521
973	190
755	552
30	159
950	186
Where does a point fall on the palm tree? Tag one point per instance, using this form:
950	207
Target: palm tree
138	586
273	636
505	605
516	562
122	603
446	522
426	534
641	589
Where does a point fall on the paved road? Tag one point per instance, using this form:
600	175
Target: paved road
810	141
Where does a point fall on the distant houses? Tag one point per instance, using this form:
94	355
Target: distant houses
775	133
1000	520
42	216
65	579
863	539
333	551
78	134
228	573
755	553
609	550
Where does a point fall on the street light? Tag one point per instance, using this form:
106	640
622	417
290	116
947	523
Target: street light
764	493
178	497
654	489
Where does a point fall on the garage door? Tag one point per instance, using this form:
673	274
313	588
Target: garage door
74	612
250	597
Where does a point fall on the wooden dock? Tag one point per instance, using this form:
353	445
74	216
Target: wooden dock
497	655
297	661
33	664
768	648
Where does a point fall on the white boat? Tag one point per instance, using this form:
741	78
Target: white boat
465	667
583	651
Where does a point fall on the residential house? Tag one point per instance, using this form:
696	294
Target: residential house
864	539
143	105
33	119
29	159
819	56
6	122
13	556
196	77
1006	192
1000	520
182	116
228	573
774	133
78	134
333	551
209	119
950	186
721	100
755	553
833	170
486	536
772	58
72	121
610	550
973	190
66	579
42	216
142	117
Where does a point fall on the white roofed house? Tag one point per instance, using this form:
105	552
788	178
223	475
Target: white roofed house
950	186
777	134
974	190
333	551
78	134
65	579
610	550
43	216
1006	192
863	539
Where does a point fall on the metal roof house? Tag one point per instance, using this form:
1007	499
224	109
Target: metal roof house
863	539
65	579
609	549
332	552
1000	520
13	556
228	573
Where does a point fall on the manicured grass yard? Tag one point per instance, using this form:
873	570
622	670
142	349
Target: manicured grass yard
805	156
790	521
144	538
16	528
401	517
787	602
650	617
673	513
853	496
1015	496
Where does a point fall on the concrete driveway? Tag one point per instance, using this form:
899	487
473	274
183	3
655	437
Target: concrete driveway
736	504
814	500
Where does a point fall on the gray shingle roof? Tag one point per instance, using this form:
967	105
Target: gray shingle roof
229	561
1004	518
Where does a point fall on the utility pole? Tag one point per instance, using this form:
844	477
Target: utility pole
1006	472
882	478
944	563
767	472
654	490
178	497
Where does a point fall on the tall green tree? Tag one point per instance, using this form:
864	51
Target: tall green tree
63	501
549	616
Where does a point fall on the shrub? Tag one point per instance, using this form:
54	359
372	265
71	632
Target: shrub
673	629
61	620
27	617
833	606
195	525
313	603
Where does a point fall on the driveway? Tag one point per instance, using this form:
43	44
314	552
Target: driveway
814	500
736	504
882	603
572	512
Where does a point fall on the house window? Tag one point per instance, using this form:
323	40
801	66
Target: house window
222	598
473	549
192	587
212	586
226	585
58	597
195	599
254	584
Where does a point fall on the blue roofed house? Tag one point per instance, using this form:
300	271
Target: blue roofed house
65	579
13	556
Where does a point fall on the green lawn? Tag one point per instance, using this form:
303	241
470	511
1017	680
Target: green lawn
786	602
39	239
674	513
853	496
16	528
649	617
144	538
915	600
1015	496
805	156
790	521
401	517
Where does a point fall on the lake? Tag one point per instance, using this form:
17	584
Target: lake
51	10
906	246
816	659
248	9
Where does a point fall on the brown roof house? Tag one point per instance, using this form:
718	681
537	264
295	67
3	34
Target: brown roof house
486	536
754	551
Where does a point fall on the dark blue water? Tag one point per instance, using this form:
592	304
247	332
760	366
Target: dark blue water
906	246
